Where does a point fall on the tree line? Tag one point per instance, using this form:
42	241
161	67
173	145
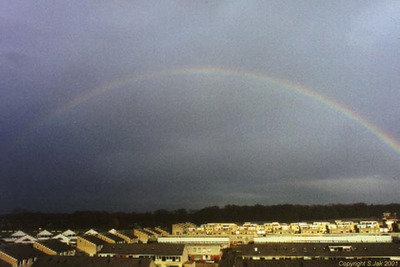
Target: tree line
104	220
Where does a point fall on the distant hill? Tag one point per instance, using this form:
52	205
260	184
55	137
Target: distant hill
165	218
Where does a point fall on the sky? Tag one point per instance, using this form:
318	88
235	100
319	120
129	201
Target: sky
146	105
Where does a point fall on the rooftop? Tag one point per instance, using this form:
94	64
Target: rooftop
303	263
113	237
65	261
144	249
93	239
319	249
20	251
56	245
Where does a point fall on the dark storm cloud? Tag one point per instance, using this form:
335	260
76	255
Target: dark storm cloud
195	140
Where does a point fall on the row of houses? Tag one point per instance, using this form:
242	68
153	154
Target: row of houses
307	255
142	235
21	237
53	251
148	235
106	244
336	227
180	250
238	234
70	237
95	245
15	254
179	255
317	255
62	261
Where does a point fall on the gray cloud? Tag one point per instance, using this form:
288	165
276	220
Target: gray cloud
188	141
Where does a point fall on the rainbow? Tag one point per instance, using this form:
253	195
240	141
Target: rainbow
242	74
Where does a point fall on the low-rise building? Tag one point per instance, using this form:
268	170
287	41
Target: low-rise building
44	235
332	251
256	230
14	236
128	236
247	229
390	220
66	240
242	239
183	228
204	253
161	231
27	239
144	236
62	261
90	244
368	227
72	236
329	238
20	237
110	238
156	231
222	241
163	255
54	247
17	255
91	232
346	226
